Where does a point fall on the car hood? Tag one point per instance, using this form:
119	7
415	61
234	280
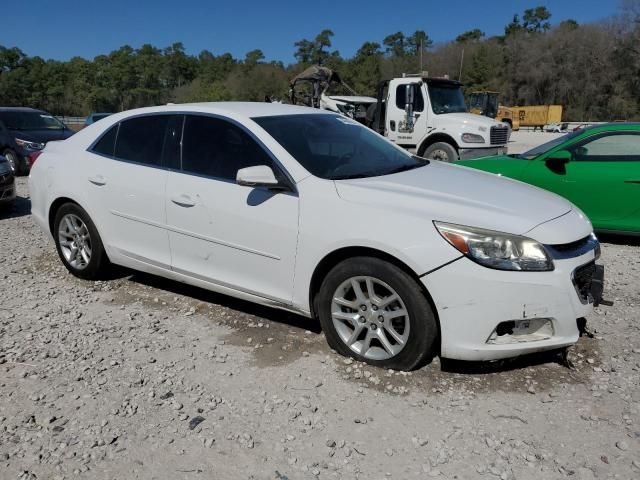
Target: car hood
42	136
468	119
459	195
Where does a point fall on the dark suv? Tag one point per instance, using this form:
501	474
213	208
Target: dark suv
24	131
7	183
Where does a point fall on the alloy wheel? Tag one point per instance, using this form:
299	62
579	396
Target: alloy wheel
370	318
13	162
75	241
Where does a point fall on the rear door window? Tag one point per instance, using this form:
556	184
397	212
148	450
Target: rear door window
141	139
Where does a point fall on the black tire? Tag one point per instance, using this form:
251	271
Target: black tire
442	151
98	265
423	332
16	164
508	122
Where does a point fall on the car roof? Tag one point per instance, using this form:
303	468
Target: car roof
244	109
19	109
613	126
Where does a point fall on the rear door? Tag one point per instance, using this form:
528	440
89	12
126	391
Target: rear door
602	177
235	236
126	179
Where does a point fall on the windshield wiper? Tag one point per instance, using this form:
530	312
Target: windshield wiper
404	168
355	175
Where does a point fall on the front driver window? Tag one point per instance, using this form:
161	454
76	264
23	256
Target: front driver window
217	148
611	147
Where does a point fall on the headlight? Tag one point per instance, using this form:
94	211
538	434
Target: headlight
472	138
498	250
26	144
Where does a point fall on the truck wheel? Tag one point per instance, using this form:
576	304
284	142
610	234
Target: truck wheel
508	122
441	151
375	312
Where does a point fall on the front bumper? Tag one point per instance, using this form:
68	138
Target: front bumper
471	153
7	188
475	303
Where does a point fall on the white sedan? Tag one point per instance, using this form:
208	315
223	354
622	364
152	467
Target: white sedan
399	258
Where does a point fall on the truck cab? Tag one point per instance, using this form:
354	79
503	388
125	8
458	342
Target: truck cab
429	117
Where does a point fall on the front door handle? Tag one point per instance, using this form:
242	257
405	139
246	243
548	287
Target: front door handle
98	180
183	200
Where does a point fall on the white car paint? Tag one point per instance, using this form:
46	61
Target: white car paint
227	238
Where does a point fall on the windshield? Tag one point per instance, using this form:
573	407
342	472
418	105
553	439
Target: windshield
30	121
545	147
337	148
446	98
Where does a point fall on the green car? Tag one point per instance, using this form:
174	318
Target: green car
597	168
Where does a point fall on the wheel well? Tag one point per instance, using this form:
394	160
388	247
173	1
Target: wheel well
508	121
332	259
435	138
55	206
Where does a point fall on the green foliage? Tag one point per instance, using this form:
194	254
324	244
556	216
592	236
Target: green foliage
592	70
474	35
315	51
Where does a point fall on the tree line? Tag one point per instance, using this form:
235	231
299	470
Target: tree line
592	69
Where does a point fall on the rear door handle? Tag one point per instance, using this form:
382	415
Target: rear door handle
98	180
183	200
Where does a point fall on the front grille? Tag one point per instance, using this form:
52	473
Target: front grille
582	277
574	249
499	135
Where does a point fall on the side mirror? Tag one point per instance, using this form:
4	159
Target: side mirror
258	176
557	161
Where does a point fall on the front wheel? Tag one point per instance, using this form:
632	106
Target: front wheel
375	312
442	151
78	243
14	162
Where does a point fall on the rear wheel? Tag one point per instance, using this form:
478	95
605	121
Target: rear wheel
78	243
375	312
442	151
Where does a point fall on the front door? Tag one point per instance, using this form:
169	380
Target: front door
235	236
602	177
397	129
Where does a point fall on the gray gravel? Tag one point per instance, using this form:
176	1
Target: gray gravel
139	377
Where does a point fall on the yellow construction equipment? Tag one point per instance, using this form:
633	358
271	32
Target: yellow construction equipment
486	103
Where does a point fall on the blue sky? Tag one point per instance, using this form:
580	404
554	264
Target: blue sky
63	29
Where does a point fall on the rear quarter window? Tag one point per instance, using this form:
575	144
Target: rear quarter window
107	144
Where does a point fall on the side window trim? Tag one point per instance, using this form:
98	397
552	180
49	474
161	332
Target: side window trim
276	162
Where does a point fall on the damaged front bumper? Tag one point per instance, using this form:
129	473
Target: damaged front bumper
490	314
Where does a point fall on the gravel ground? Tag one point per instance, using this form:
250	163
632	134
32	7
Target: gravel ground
140	377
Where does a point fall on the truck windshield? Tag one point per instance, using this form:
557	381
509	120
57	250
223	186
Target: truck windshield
545	147
337	148
446	98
